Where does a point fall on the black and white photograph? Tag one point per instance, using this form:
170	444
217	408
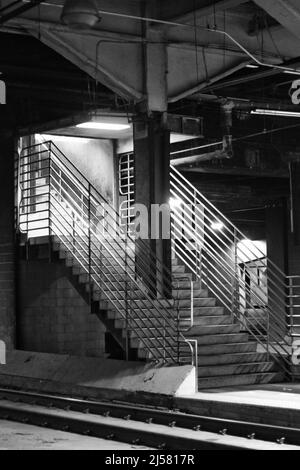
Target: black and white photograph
149	228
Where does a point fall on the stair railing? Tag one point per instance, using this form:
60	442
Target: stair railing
58	200
214	249
294	306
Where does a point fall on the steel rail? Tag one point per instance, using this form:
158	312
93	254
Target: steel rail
147	415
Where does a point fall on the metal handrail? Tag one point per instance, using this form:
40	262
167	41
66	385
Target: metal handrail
187	222
231	240
95	200
88	239
115	219
194	191
294	305
210	248
179	187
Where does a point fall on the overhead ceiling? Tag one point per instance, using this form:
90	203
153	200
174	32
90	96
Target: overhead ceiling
113	51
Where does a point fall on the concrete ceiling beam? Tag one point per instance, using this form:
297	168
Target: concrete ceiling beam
207	8
207	83
286	12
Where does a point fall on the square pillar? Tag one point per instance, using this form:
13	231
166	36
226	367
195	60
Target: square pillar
7	243
152	187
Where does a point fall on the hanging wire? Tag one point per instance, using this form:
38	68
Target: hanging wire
272	38
196	42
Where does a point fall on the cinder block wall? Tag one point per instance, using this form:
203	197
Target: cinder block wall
52	316
7	242
7	294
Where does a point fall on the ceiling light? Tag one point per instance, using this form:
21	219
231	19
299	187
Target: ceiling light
175	203
80	14
104	126
274	112
291	72
217	226
252	66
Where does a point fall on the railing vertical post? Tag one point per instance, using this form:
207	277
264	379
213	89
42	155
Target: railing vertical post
268	336
49	204
89	246
291	305
127	288
235	283
178	322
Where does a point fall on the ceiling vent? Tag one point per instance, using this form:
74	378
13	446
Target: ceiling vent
80	14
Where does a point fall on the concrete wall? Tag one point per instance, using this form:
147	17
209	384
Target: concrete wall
52	316
7	244
94	158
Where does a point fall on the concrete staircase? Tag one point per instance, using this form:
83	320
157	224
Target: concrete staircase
226	355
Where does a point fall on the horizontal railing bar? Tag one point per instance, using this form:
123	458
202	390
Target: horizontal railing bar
102	273
133	280
115	301
212	274
227	255
231	240
152	254
150	277
194	190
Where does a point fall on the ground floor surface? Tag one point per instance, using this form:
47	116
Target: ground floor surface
19	436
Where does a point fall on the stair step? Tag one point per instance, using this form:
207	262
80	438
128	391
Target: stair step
186	293
222	339
207	320
200	313
184	284
178	275
178	269
203	330
235	369
187	302
150	320
238	347
202	310
155	343
207	350
152	332
242	379
236	358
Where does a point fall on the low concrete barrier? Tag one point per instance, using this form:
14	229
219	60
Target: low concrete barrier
95	377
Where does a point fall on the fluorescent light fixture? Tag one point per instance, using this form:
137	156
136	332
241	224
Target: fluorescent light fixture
292	72
175	203
217	226
274	112
104	126
252	66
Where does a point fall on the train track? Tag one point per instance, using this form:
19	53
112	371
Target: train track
154	427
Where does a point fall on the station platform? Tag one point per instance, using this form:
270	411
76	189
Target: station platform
150	385
277	404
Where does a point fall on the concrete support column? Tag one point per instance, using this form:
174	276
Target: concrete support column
152	186
276	236
7	243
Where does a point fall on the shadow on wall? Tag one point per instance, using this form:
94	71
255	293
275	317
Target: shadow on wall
94	158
